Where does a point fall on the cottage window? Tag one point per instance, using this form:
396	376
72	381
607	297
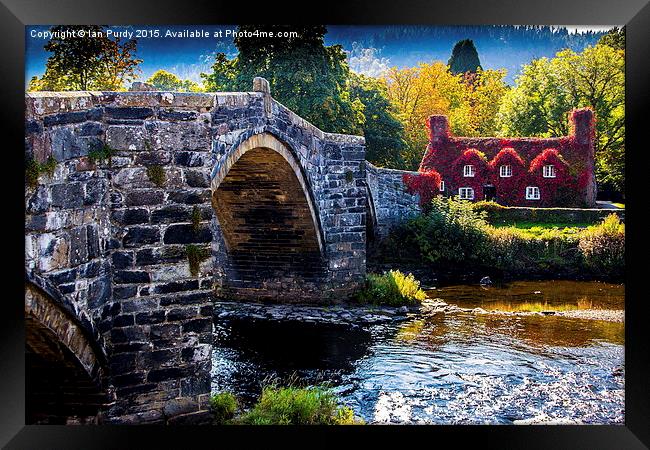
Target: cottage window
549	171
442	186
466	193
505	171
469	170
532	193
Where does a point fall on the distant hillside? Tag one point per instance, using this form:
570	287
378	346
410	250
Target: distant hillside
499	46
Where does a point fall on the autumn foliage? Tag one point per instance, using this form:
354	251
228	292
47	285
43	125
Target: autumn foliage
425	184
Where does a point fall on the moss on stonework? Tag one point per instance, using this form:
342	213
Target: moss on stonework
196	219
101	154
349	176
195	256
156	175
32	172
34	169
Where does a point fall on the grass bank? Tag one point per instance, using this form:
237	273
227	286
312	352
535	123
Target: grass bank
290	405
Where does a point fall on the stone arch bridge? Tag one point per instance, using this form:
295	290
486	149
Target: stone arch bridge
155	203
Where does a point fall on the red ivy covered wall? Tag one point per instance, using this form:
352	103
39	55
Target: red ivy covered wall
572	156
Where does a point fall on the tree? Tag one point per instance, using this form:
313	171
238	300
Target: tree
304	74
385	144
464	58
614	38
223	74
548	89
87	63
471	103
416	93
167	81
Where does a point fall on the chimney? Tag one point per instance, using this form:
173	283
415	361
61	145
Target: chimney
583	123
438	129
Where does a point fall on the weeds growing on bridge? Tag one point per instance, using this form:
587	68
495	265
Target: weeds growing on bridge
195	256
34	169
101	154
156	175
196	219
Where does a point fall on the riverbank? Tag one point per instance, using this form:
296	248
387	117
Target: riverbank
359	315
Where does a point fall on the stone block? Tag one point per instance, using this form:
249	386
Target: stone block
160	255
142	197
128	112
141	235
132	216
175	136
185	234
68	195
126	137
130	276
177	115
122	260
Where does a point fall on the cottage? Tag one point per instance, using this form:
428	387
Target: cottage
543	172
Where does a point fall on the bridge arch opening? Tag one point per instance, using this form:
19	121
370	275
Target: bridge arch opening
269	221
63	371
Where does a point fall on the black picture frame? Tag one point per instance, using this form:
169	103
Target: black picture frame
635	14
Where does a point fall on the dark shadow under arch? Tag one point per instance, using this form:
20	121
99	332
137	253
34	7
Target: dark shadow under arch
268	219
64	365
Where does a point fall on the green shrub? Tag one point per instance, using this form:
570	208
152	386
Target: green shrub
156	175
451	232
297	406
223	406
603	246
392	288
195	256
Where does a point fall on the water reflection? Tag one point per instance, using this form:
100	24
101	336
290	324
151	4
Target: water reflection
535	296
250	353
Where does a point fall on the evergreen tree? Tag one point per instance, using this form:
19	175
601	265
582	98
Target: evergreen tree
464	58
614	38
384	133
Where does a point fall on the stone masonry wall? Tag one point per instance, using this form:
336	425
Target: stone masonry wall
389	202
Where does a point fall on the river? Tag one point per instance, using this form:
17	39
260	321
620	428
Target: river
507	355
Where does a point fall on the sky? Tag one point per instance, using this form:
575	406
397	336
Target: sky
370	49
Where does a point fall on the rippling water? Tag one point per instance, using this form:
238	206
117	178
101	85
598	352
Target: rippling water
459	368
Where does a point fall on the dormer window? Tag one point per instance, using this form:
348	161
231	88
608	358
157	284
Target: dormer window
505	171
469	170
466	193
549	171
442	186
532	193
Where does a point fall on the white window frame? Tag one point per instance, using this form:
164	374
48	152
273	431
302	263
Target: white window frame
548	171
466	190
469	170
442	186
505	171
532	193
